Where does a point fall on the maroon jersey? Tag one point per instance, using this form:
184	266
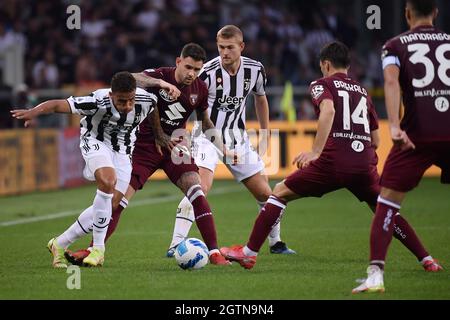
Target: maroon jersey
174	113
349	146
423	56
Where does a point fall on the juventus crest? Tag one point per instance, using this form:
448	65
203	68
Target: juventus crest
247	83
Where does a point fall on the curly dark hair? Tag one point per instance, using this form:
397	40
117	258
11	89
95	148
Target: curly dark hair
123	82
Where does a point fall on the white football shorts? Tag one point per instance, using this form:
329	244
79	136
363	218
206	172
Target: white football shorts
97	155
207	156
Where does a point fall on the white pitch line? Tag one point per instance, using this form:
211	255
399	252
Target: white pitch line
136	203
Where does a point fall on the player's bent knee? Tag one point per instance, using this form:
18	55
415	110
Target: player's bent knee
281	191
392	195
187	180
278	190
107	184
265	195
205	188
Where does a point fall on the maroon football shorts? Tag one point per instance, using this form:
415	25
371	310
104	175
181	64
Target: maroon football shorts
146	160
404	169
320	178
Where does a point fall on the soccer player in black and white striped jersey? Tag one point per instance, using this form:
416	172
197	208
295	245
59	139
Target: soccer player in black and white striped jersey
108	127
230	79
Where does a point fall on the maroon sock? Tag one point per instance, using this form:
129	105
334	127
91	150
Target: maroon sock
406	234
269	216
203	216
382	230
115	217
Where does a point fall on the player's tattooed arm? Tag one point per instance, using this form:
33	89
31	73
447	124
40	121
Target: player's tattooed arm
50	106
162	140
146	81
325	123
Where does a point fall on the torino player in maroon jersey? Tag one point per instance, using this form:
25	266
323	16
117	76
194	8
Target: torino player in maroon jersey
343	156
179	93
416	63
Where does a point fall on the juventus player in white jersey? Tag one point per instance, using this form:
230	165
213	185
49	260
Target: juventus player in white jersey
230	78
108	127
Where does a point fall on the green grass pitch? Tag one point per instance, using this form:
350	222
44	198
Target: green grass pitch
331	236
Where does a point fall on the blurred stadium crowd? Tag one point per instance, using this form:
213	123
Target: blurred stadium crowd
285	35
135	34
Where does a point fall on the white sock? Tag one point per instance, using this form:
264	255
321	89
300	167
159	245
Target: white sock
427	258
275	233
211	252
183	222
80	228
248	252
102	214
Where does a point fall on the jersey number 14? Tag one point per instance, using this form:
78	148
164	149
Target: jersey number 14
358	116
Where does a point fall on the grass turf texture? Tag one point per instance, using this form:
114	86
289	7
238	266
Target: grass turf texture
330	235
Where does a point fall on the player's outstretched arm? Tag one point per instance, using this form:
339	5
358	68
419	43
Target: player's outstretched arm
325	123
392	99
50	106
145	81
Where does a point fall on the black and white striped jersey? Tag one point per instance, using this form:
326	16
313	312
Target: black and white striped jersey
103	122
227	95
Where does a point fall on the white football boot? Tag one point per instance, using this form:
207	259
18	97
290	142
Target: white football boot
374	281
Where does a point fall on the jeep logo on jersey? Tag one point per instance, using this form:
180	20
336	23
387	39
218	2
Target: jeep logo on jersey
229	104
165	95
175	111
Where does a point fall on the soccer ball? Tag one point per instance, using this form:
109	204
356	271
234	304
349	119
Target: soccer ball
191	254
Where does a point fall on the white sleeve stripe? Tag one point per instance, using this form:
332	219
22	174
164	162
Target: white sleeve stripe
391	60
71	104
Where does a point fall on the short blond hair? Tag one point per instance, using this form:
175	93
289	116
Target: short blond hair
230	31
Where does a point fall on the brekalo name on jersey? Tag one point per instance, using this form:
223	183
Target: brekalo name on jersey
349	87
